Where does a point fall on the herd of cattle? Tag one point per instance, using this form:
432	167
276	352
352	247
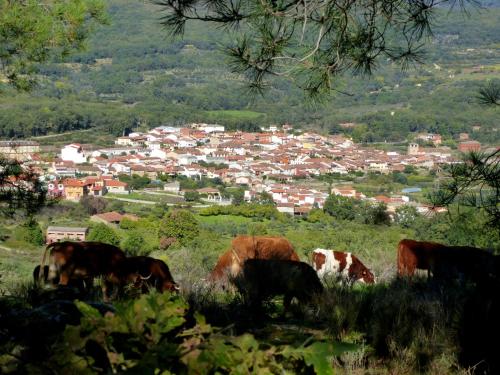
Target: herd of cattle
258	266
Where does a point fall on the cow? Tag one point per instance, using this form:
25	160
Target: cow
261	279
344	266
80	261
251	247
141	272
445	262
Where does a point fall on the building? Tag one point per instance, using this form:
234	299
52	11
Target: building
56	234
75	189
413	149
74	153
117	187
469	146
463	136
55	189
172	187
19	150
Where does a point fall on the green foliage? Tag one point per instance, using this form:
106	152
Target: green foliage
191	196
31	232
316	216
260	211
406	216
93	205
263	198
134	244
153	334
400	178
340	207
473	183
103	233
20	188
375	214
463	227
238	197
32	32
135	182
179	224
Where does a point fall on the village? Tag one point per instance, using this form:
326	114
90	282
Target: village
274	161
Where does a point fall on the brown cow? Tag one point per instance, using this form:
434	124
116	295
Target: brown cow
142	272
43	279
251	247
80	260
344	266
443	261
261	279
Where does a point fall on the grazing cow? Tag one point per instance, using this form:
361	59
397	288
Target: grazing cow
80	260
344	266
261	279
444	262
251	247
142	272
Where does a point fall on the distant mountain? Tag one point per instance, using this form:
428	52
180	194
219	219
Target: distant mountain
133	75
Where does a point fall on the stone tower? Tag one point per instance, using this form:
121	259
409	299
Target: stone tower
413	149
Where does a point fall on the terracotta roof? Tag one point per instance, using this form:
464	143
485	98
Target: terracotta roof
116	183
73	183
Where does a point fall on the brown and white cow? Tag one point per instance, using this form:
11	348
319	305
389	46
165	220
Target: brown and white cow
261	279
251	247
445	262
80	260
341	265
141	272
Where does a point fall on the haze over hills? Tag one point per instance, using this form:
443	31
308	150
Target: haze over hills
133	74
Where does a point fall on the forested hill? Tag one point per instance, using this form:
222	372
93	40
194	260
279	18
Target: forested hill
132	74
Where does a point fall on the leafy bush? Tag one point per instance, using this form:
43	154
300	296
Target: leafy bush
93	205
179	224
135	244
261	211
157	334
191	196
103	233
30	232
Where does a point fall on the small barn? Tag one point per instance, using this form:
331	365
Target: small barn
56	234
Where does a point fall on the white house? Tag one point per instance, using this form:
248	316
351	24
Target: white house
74	153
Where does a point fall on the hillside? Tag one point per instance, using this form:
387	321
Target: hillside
132	74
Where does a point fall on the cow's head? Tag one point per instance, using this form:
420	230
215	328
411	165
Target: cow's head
360	273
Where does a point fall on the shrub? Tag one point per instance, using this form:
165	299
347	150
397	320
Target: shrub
30	232
135	244
152	335
93	205
180	224
103	233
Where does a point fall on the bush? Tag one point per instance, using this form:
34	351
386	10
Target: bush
261	211
103	233
93	205
135	244
180	224
191	196
31	232
154	334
